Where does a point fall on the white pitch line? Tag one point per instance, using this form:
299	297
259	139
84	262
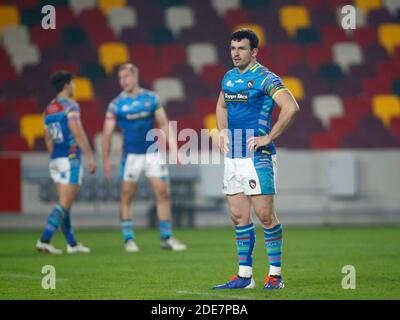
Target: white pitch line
212	294
27	276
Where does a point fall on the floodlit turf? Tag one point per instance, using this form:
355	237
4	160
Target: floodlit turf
313	261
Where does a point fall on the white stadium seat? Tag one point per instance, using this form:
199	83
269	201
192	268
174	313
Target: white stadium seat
200	54
325	107
24	54
222	6
178	18
79	5
169	89
121	18
15	36
392	5
346	54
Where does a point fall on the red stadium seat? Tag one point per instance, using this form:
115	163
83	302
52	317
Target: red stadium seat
312	4
14	143
318	54
235	17
205	105
357	107
365	36
171	55
395	127
3	109
265	55
25	4
340	126
389	70
374	86
324	140
65	17
71	67
45	38
22	106
333	34
289	53
213	74
335	4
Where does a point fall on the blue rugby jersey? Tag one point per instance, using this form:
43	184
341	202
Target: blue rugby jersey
135	117
249	101
56	117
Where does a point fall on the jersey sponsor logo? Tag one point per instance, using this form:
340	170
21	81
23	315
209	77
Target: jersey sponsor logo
134	116
236	97
239	81
125	107
252	183
230	84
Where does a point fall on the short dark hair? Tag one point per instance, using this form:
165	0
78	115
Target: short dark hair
249	34
59	79
129	66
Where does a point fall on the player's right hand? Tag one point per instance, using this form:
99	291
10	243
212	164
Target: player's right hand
92	166
108	169
223	141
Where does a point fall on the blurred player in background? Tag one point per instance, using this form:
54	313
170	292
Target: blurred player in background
248	96
135	110
65	138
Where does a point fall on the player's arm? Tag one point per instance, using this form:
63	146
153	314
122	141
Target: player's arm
75	125
163	123
108	130
288	110
47	140
222	124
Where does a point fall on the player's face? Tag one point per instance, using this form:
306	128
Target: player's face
241	53
128	80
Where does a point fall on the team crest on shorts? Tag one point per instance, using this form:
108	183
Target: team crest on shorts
252	184
250	84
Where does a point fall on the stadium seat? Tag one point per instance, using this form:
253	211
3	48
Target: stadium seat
74	36
200	54
389	36
293	18
161	35
31	127
340	126
178	18
221	6
368	5
324	140
169	89
258	30
24	54
332	34
392	5
3	109
79	5
324	107
204	105
171	55
122	18
15	36
45	38
113	54
213	74
317	54
14	143
379	16
385	107
295	86
395	127
107	5
93	71
357	107
289	53
71	67
83	89
22	106
306	36
9	16
365	36
234	17
346	54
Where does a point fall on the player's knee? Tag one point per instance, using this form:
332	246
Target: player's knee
162	194
268	220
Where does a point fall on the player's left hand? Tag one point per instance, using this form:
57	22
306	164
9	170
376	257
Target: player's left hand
254	143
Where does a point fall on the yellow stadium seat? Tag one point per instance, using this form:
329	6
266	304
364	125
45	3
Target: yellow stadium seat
83	89
107	5
385	107
389	36
210	123
9	16
295	86
31	127
113	54
258	30
368	5
293	18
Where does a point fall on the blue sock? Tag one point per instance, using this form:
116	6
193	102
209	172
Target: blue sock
53	222
245	240
165	229
127	229
273	243
67	227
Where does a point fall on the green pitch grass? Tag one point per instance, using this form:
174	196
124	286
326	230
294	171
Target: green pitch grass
313	261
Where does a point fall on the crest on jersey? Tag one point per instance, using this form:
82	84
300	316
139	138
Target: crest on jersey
252	184
250	84
147	104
